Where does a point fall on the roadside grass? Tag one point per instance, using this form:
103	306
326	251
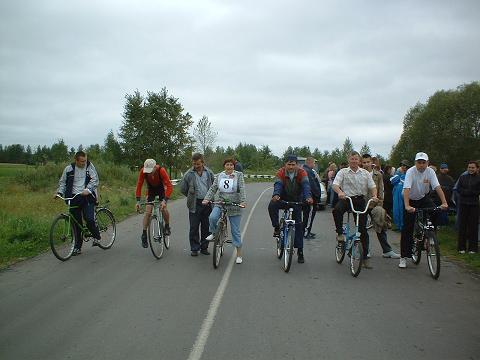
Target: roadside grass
28	208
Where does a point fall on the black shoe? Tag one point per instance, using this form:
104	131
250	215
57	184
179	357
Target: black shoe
144	240
168	232
276	232
301	259
96	242
194	253
76	252
205	252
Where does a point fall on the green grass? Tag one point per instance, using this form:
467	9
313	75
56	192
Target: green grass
448	236
27	208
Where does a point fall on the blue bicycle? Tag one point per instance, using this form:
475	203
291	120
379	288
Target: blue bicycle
352	244
285	241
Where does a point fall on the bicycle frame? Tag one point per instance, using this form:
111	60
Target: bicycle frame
84	232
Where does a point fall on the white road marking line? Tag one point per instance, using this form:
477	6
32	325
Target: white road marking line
207	324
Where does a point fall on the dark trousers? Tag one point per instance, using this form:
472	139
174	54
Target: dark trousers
468	228
406	239
309	212
84	205
382	238
199	219
273	209
342	206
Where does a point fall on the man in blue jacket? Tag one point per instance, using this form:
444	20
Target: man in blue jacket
309	211
291	184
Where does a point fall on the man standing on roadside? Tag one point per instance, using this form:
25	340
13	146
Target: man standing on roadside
309	211
194	186
81	178
419	180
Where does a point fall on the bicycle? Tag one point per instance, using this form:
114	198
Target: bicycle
63	234
220	236
352	244
157	239
286	240
425	239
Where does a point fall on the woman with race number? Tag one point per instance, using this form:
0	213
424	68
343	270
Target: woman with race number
229	187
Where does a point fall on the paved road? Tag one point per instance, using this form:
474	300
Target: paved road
124	304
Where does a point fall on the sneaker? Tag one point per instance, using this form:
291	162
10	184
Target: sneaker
209	237
472	252
461	252
391	254
340	238
403	263
276	232
76	252
96	242
144	240
366	264
168	231
239	260
194	253
368	255
301	258
205	252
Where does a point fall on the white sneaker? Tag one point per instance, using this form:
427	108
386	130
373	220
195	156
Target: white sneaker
461	252
403	263
239	260
368	255
472	252
391	254
209	237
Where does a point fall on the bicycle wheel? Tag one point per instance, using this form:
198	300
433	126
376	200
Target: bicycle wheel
340	251
107	227
155	237
279	240
62	237
433	254
166	238
417	251
356	258
218	244
288	251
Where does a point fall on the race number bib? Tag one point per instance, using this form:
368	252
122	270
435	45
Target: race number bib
227	185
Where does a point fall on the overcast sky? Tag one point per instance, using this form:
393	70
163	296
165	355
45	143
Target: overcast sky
274	73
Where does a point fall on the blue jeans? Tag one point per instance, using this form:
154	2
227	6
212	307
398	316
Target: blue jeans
234	225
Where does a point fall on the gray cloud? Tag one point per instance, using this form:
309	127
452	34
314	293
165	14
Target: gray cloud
272	72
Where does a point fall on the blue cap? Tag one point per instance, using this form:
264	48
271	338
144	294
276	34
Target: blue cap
443	166
291	157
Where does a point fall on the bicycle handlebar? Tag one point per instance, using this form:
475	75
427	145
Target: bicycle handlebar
67	199
291	202
227	203
357	211
429	209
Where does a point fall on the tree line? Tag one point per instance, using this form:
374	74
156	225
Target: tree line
156	125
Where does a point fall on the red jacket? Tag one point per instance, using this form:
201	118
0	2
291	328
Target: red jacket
158	177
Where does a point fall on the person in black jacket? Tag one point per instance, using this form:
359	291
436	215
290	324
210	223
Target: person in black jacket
468	189
309	211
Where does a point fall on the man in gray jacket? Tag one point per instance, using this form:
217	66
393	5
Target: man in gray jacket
194	186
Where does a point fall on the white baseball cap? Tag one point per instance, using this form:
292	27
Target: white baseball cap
421	156
148	166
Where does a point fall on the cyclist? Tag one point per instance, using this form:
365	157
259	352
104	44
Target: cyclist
355	182
229	185
291	184
419	179
158	184
376	211
81	178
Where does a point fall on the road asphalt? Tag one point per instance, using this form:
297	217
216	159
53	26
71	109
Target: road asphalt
124	304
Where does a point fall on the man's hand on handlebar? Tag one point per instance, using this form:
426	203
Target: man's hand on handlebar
410	209
444	206
341	195
205	202
309	201
275	198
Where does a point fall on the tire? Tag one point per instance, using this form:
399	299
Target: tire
280	240
218	241
417	251
107	227
62	237
433	254
287	255
340	251
155	238
356	258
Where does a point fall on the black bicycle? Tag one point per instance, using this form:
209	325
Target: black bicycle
220	236
286	240
425	239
